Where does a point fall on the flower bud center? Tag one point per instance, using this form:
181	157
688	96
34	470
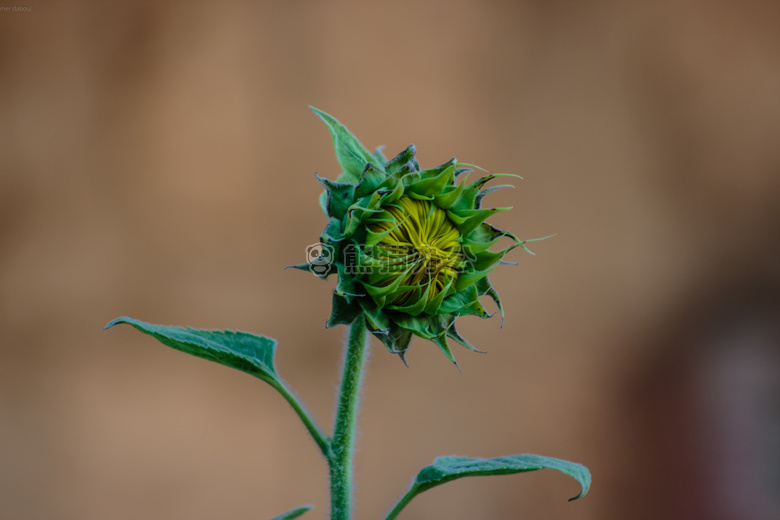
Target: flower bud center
421	247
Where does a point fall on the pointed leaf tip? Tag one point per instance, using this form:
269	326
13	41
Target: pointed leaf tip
115	321
293	513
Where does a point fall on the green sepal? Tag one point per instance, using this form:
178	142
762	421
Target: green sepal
484	288
428	327
468	278
409	169
473	246
460	171
481	194
323	200
419	300
351	154
396	341
522	243
468	199
405	158
390	196
379	156
471	167
473	309
434	304
452	333
467	220
347	285
417	196
293	513
457	302
441	342
332	233
338	197
359	211
448	196
373	238
379	293
488	259
377	321
483	237
343	313
303	267
370	180
433	183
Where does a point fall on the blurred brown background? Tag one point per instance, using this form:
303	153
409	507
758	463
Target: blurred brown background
157	160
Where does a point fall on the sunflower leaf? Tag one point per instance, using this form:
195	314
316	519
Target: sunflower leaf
240	350
447	469
243	351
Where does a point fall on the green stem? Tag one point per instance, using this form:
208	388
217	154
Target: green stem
315	432
343	444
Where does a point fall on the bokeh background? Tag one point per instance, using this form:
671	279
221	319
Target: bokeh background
157	160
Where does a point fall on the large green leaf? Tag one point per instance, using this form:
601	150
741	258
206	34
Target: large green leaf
446	469
293	513
352	155
241	350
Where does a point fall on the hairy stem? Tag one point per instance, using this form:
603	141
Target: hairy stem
343	444
315	432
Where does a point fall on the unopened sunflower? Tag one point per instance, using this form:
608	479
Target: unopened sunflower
410	246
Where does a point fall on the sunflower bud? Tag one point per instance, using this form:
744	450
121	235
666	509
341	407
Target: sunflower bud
410	246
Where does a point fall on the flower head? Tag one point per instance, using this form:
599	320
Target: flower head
410	246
